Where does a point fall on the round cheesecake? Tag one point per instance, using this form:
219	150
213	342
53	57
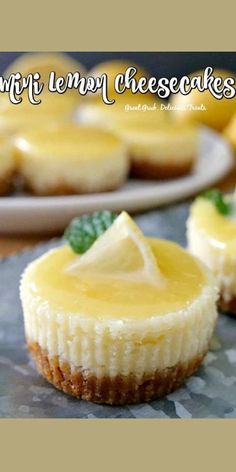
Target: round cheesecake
54	107
112	68
134	109
160	149
71	159
44	63
212	237
52	110
118	336
7	165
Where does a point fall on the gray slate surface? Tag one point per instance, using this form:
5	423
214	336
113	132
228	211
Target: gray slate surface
210	393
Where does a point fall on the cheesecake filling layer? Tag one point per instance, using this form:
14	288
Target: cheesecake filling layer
121	328
45	174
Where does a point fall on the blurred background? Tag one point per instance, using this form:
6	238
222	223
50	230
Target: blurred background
161	146
161	63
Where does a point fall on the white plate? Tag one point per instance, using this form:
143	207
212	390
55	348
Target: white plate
21	214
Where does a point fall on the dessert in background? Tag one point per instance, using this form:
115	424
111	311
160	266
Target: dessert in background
25	116
54	107
158	146
117	317
135	108
7	165
44	63
112	68
218	112
159	150
211	233
71	159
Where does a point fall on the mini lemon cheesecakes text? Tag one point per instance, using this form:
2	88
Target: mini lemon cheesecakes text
71	159
115	317
211	232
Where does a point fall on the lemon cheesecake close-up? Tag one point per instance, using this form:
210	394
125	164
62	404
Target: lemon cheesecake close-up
211	233
70	159
7	165
115	317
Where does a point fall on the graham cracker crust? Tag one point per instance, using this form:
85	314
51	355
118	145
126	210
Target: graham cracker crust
7	183
118	390
144	169
228	306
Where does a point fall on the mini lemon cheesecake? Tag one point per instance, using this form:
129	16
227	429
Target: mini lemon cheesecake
69	159
211	232
52	110
44	63
7	165
134	109
54	107
160	149
116	317
112	68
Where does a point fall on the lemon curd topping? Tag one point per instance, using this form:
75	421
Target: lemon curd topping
95	296
219	229
68	140
166	136
128	305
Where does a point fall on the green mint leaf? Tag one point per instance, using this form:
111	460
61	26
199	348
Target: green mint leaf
84	230
216	197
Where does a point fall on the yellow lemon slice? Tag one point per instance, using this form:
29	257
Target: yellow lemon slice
122	252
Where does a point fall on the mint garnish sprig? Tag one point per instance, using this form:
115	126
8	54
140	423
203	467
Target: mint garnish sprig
83	231
215	196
